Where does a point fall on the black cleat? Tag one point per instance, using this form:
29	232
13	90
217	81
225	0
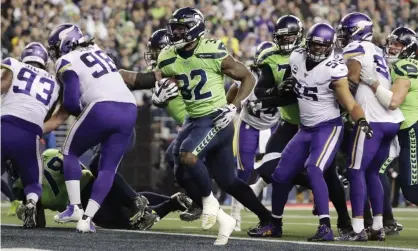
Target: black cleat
29	218
183	200
192	213
138	208
393	228
147	221
377	235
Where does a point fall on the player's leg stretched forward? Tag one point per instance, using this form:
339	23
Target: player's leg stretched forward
87	132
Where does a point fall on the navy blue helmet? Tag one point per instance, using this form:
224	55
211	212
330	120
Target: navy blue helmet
401	43
186	25
156	43
320	41
288	33
35	53
63	39
261	47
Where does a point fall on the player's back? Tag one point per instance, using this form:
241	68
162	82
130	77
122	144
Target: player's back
279	64
199	76
99	78
316	99
32	94
373	62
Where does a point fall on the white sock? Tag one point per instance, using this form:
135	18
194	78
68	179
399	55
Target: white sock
32	196
73	190
236	207
258	186
377	222
210	197
358	225
92	208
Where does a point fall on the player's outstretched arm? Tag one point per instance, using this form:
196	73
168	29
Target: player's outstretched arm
140	80
265	84
232	93
56	120
393	98
237	71
6	79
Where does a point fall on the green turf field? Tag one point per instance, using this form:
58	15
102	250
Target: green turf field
298	225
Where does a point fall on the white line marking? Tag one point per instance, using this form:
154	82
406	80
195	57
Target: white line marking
248	239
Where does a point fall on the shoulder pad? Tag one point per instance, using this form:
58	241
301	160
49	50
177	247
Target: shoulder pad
62	65
352	50
265	56
211	49
166	57
8	62
405	68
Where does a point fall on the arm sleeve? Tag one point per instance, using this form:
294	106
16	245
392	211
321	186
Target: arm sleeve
71	85
281	99
144	81
265	82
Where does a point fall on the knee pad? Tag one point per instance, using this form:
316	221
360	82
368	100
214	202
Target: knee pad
188	158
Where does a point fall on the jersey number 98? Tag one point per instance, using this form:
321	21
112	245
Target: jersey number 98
187	93
91	59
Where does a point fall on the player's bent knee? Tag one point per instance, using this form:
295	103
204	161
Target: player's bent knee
188	158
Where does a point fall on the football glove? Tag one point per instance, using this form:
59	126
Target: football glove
164	92
227	114
287	85
365	127
254	106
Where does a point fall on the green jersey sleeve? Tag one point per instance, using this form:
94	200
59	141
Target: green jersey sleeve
408	69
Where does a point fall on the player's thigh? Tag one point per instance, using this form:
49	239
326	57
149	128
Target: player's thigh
362	150
169	157
324	145
86	131
284	132
293	158
204	137
247	146
181	136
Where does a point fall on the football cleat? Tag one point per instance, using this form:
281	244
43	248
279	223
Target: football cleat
362	236
85	225
210	212
377	235
73	213
183	200
226	227
147	221
138	208
345	233
192	213
13	208
29	219
393	228
265	230
323	233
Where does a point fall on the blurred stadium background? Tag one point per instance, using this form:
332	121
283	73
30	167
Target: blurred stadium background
122	27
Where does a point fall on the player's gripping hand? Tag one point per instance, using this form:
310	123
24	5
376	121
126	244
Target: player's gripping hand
287	85
227	114
254	106
165	90
365	127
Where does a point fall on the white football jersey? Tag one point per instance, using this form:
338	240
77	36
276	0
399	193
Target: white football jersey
264	118
32	94
373	62
316	100
99	78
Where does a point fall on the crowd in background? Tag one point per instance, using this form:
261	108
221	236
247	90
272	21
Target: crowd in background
123	27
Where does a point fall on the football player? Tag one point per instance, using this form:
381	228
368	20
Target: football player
288	37
320	80
94	91
401	49
115	212
366	64
199	66
31	92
